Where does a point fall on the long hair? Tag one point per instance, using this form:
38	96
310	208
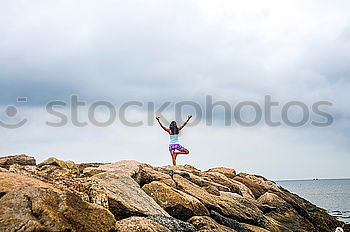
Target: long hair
173	128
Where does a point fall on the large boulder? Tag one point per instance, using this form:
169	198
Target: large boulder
55	175
262	181
178	204
10	182
231	205
229	222
222	179
69	165
295	213
255	187
284	213
27	204
186	168
91	171
184	185
7	161
228	204
258	229
172	224
243	189
3	170
273	200
26	170
82	166
204	182
207	224
123	196
147	174
128	167
228	172
139	224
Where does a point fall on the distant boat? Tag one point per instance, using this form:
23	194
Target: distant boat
315	179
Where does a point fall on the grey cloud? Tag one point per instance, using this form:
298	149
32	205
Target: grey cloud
173	51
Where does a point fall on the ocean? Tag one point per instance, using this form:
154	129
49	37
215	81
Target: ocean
330	194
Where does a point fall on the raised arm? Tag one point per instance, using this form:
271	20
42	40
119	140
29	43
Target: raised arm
183	125
161	125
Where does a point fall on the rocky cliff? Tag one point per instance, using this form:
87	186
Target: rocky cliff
58	195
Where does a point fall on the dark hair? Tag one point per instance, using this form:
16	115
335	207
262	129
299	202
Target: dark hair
173	128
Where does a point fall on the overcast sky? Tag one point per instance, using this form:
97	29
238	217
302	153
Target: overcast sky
159	51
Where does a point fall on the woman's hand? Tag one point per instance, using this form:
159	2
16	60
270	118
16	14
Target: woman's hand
161	125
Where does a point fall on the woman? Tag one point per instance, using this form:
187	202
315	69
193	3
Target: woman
174	144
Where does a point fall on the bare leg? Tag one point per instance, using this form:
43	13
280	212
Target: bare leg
173	157
183	152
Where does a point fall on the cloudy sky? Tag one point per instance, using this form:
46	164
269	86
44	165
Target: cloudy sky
171	51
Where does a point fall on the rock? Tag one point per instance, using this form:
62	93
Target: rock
70	165
27	204
52	171
55	176
186	168
228	204
124	196
204	182
247	211
53	161
139	224
288	210
228	172
267	184
147	174
172	224
91	171
3	170
245	191
210	201
82	166
7	161
212	190
256	228
26	170
178	204
272	199
215	181
60	177
228	222
54	196
255	188
10	182
223	180
207	224
128	167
